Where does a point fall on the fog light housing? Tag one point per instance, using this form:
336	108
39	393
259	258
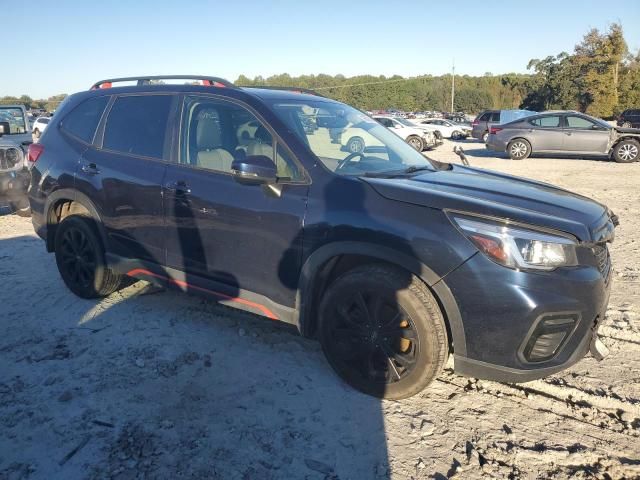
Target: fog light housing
548	337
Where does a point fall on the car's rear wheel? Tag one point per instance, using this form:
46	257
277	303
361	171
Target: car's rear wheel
80	259
519	149
485	137
382	331
626	151
355	145
416	142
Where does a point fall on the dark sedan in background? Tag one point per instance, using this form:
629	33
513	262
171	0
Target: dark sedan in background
565	133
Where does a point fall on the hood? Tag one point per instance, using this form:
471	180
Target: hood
495	194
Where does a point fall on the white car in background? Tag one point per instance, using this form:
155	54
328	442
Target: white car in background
39	126
449	129
418	138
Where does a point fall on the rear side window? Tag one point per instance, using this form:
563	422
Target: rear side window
83	120
137	125
485	117
549	122
495	117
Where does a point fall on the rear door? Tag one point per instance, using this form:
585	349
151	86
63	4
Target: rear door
582	135
546	133
124	174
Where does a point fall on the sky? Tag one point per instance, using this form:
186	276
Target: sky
70	44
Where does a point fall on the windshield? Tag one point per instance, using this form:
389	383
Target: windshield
347	141
15	118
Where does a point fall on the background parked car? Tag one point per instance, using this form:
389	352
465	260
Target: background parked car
40	125
486	119
565	132
629	119
418	138
448	128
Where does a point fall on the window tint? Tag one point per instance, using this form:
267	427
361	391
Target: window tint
579	122
549	122
83	120
485	117
216	133
495	117
137	125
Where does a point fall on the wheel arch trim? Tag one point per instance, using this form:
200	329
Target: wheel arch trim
309	281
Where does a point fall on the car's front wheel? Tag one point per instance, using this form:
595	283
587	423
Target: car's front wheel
80	259
626	151
416	142
456	135
382	331
518	149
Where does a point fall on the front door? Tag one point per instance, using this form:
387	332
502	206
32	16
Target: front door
585	136
245	237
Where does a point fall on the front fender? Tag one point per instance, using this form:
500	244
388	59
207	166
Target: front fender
309	281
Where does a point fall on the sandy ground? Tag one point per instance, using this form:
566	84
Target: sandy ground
155	384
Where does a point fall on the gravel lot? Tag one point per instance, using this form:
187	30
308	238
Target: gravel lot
155	384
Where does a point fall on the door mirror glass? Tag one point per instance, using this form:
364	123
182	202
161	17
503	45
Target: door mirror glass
254	170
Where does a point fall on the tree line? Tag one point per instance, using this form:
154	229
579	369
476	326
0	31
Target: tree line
600	77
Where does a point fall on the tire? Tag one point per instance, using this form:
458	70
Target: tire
404	309
485	137
80	259
519	149
36	133
356	145
627	151
416	142
455	135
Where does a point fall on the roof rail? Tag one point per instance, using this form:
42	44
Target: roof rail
206	80
290	89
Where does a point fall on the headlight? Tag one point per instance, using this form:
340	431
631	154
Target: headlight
518	247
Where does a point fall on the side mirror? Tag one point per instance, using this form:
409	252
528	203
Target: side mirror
254	170
5	128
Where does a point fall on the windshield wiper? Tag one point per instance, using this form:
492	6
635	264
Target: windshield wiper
399	173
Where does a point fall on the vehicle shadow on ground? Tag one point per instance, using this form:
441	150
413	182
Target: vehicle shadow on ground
152	382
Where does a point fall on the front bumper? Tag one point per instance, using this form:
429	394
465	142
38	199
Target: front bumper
501	309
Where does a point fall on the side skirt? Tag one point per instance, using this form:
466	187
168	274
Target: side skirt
222	293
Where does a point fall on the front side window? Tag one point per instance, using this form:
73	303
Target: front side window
546	122
83	120
137	125
347	141
15	118
579	122
215	133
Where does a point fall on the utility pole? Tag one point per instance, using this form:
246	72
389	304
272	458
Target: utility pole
453	85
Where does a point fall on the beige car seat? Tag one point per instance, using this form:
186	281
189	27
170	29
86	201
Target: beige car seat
208	141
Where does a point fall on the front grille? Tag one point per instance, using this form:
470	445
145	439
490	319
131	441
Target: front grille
604	260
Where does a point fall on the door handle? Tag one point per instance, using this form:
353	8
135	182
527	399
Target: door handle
179	187
90	168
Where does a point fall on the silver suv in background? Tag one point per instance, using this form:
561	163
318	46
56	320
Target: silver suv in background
567	133
15	135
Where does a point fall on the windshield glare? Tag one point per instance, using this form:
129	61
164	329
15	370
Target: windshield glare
347	141
15	118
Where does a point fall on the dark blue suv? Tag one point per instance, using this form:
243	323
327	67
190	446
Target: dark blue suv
392	260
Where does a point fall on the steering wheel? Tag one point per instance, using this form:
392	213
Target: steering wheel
347	160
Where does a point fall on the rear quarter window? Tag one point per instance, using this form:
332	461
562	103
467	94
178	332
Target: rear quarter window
83	120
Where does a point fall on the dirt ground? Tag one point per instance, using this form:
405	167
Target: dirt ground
155	384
